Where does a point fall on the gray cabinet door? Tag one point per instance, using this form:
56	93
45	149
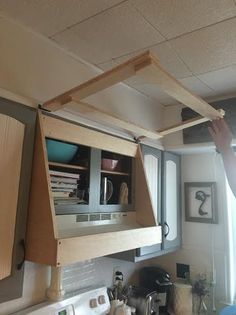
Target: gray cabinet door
17	124
171	198
163	175
152	163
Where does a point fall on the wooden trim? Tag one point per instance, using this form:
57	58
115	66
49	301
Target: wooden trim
115	173
91	112
81	248
71	166
100	82
143	203
186	124
62	130
183	125
146	65
11	145
41	244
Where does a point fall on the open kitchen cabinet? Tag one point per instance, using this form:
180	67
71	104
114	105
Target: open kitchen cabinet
163	176
17	123
87	225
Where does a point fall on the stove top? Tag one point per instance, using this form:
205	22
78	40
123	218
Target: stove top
92	302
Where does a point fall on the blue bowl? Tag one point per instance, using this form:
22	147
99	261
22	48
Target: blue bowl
60	152
229	310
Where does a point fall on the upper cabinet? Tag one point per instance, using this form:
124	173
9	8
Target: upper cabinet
17	124
89	195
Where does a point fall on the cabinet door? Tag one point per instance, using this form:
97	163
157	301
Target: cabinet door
17	124
152	162
171	196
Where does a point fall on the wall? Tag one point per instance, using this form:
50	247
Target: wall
33	70
203	243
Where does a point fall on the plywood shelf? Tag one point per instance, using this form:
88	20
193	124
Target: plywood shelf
115	173
70	166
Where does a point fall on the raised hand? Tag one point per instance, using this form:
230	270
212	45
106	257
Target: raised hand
221	135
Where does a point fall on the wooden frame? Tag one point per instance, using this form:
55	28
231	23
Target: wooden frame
200	202
148	67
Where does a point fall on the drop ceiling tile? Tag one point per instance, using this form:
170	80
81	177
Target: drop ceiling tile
117	31
223	81
150	90
197	86
107	65
168	59
208	49
50	17
173	18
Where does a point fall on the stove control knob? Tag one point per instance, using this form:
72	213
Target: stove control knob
101	299
93	303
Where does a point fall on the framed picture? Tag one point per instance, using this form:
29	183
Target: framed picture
200	202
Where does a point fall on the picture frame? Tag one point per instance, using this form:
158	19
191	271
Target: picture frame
200	202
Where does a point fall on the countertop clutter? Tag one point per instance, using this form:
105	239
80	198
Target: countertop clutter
151	296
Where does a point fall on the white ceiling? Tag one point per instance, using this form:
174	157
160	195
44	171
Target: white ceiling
194	39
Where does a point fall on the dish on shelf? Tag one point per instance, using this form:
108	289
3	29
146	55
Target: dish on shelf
109	164
60	152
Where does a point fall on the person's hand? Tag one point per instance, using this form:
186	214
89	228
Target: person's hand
221	135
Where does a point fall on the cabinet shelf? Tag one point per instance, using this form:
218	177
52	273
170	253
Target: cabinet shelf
115	173
70	166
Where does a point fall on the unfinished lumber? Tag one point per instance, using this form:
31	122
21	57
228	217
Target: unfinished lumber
186	124
148	67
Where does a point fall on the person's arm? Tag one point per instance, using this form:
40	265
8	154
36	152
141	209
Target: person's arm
222	137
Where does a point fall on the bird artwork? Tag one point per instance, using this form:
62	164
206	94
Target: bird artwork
202	196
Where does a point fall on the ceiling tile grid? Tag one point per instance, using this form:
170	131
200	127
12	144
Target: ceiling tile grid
197	86
174	18
117	31
208	49
222	80
51	17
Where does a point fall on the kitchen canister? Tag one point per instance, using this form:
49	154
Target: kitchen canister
182	299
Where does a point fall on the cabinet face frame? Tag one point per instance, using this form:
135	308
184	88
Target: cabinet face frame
11	287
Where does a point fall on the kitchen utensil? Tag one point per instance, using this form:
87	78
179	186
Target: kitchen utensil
124	193
106	190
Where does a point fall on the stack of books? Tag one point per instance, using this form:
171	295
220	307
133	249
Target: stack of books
64	186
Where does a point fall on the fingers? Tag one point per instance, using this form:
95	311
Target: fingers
212	133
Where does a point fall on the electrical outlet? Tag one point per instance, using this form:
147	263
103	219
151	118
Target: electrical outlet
182	271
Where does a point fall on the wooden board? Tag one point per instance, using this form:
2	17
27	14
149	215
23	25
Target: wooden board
11	145
143	202
147	66
183	125
82	248
155	74
100	82
41	244
62	130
